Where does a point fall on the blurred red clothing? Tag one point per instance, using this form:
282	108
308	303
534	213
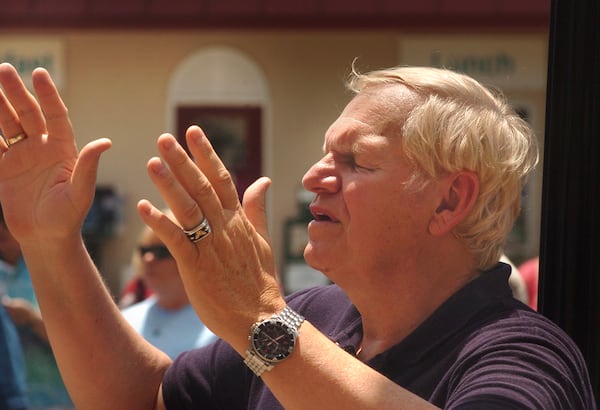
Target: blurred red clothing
135	291
530	273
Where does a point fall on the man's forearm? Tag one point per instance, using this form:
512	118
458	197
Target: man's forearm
88	334
321	375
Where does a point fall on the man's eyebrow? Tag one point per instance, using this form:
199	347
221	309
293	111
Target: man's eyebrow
366	143
370	144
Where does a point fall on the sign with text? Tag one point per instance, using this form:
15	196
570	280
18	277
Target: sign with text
26	54
507	62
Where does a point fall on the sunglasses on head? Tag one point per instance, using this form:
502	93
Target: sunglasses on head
160	252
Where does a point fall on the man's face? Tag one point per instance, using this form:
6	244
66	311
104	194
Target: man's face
365	219
159	268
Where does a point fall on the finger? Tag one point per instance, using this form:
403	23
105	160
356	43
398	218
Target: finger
167	230
178	200
254	206
86	167
183	186
9	120
55	112
211	165
28	112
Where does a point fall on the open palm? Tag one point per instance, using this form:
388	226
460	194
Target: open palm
46	186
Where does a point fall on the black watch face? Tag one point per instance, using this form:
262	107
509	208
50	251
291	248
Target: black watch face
273	340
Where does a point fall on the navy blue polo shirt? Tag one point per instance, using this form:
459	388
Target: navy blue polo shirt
481	349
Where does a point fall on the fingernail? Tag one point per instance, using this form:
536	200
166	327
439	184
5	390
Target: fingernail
157	166
197	138
168	144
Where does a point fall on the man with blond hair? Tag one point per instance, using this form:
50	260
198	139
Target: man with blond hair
415	194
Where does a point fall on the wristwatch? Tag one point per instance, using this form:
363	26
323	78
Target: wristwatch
272	340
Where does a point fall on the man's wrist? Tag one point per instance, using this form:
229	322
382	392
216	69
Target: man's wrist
272	340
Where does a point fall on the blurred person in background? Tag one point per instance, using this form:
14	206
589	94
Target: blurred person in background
135	289
166	318
13	388
530	271
516	281
45	387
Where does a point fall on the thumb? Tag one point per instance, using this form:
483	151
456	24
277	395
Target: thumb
254	206
86	167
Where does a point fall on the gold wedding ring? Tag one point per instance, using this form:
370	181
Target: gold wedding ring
15	139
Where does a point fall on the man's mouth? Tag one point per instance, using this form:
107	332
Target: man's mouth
321	215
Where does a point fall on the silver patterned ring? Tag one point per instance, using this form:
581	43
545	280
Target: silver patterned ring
199	232
15	139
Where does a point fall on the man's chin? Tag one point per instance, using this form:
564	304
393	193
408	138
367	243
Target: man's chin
311	257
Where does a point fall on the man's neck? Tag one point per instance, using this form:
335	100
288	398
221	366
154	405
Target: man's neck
396	304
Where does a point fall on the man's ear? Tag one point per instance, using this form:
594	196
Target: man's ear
460	190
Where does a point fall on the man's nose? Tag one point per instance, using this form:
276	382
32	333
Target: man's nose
321	177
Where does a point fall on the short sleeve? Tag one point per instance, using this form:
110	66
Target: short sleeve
520	365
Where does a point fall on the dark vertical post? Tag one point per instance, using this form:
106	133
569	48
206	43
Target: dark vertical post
570	229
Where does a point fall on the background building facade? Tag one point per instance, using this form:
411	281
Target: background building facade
126	69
